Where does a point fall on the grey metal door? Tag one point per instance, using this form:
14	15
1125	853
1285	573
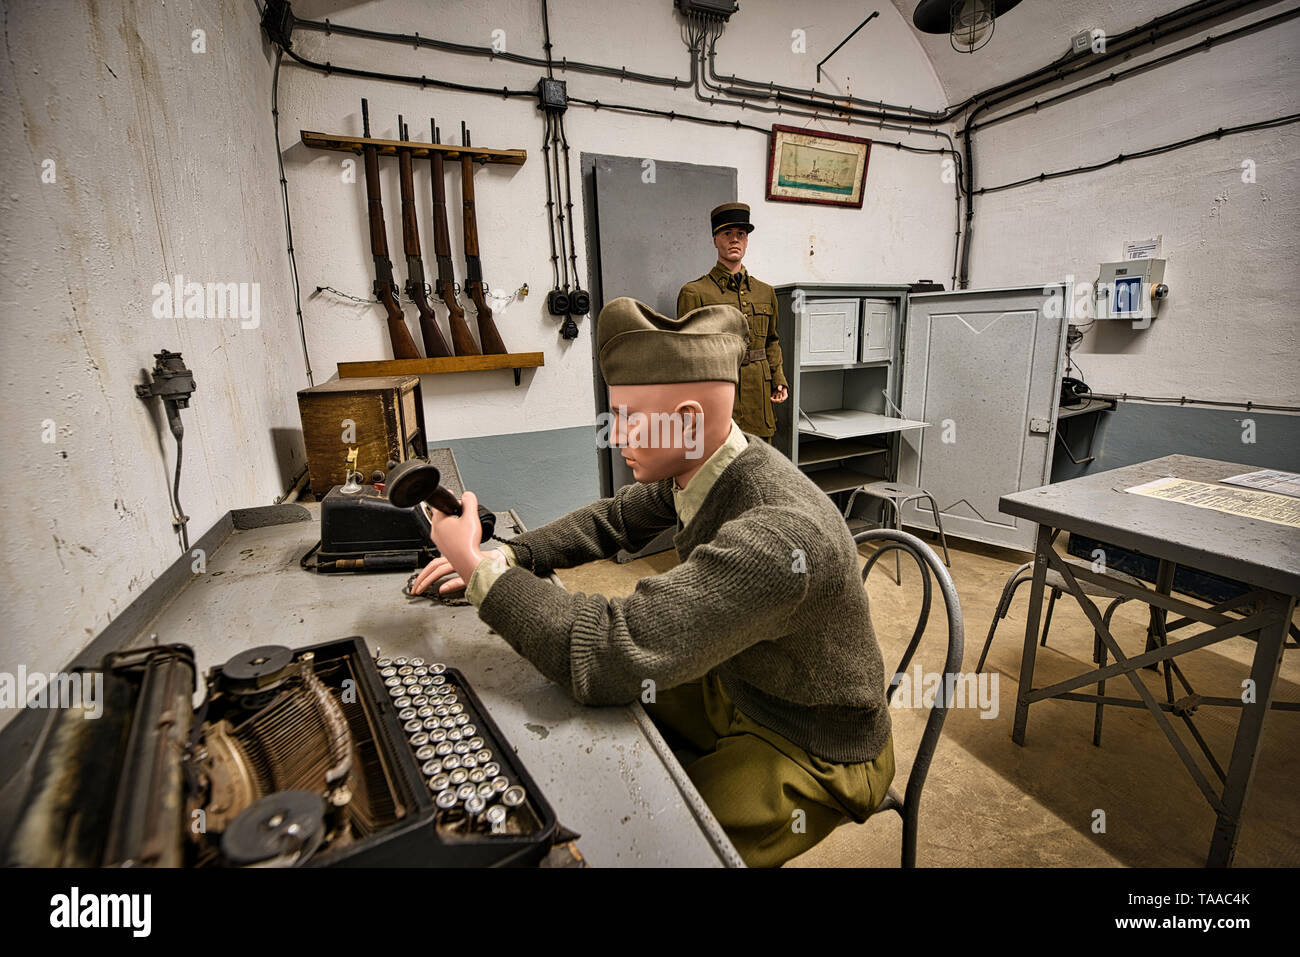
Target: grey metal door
651	235
983	367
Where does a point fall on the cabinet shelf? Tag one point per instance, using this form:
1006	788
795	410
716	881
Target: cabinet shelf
839	479
853	423
816	451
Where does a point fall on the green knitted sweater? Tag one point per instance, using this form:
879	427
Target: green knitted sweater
768	594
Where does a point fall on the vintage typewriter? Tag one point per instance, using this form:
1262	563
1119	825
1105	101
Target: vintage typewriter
320	756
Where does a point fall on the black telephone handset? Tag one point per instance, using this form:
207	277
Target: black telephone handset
1074	391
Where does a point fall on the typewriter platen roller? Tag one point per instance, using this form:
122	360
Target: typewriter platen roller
320	756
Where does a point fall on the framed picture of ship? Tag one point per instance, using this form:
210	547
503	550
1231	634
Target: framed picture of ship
823	168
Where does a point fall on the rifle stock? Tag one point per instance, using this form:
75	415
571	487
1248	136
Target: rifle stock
462	339
434	344
487	330
398	334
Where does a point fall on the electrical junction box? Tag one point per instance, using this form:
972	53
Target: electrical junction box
553	94
1130	290
708	9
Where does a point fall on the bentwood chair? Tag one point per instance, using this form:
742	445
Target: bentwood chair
909	805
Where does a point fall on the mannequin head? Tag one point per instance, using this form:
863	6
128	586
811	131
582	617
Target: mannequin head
732	243
670	429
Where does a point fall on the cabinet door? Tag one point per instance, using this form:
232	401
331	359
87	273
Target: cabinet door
984	369
830	331
879	316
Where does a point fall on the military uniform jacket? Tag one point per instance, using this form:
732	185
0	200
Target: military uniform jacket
761	374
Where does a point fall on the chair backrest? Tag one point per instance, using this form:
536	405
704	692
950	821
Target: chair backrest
927	561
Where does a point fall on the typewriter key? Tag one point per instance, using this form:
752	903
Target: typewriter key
402	702
419	739
461	719
426	681
431	768
405	670
500	783
437	668
439	680
439	782
496	816
406	714
387	672
456	708
431	724
451	762
419	700
441	711
458	776
448	722
438	735
424	753
477	776
409	681
468	761
483	757
468	730
475	744
425	711
491	769
453	734
417	662
393	682
446	799
466	791
413	725
448	699
512	796
401	660
383	662
486	791
442	748
461	747
475	804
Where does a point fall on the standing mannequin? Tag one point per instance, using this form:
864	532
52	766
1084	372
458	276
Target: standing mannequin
762	380
757	650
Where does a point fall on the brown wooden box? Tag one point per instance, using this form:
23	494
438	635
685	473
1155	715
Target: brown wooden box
388	417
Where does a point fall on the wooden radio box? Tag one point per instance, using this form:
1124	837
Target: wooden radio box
381	417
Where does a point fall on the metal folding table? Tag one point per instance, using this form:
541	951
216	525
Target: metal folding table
1264	556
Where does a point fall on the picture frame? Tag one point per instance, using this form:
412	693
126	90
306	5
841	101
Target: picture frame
825	169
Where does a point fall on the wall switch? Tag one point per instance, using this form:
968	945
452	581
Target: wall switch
1081	42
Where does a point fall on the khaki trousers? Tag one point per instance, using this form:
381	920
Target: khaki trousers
774	799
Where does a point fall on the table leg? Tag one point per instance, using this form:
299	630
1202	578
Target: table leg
1245	749
1041	547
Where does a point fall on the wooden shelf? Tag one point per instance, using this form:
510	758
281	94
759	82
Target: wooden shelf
816	451
839	480
510	360
356	144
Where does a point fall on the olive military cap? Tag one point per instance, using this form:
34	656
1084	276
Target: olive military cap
637	346
731	214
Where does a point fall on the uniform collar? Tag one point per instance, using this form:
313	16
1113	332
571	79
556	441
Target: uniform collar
688	500
722	277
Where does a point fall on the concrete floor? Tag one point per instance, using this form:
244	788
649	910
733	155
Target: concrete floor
991	803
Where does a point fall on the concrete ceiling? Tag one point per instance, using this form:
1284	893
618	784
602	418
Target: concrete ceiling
1027	37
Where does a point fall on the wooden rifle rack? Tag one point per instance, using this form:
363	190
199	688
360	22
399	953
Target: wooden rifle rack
356	144
518	361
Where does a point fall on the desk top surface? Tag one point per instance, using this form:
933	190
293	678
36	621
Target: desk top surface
598	767
1259	553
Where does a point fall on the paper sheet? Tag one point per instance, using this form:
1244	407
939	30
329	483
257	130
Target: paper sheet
1269	480
1249	503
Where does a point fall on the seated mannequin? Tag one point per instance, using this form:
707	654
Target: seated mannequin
757	650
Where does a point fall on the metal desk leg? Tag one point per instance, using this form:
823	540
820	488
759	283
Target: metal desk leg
1263	674
1042	545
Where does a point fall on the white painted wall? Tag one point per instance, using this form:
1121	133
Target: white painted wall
904	232
1229	330
164	163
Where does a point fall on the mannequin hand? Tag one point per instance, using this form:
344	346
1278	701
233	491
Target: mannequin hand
780	394
441	568
457	538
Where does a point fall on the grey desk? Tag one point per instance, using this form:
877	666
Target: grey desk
1263	555
606	771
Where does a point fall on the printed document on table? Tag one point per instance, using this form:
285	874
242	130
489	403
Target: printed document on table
1247	502
1269	480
